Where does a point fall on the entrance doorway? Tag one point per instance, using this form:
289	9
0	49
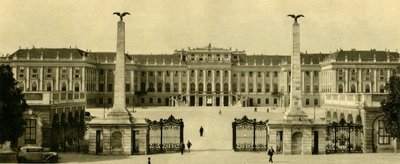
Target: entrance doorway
217	103
200	101
166	101
99	145
315	143
297	143
135	143
192	101
226	100
251	102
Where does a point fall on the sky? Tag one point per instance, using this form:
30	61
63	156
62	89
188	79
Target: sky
162	26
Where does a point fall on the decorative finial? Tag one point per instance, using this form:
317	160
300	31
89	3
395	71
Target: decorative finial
295	17
121	15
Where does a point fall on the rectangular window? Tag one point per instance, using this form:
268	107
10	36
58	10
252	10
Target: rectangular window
127	87
258	101
267	101
307	101
150	100
251	74
100	100
101	71
101	87
159	100
275	74
30	131
275	101
383	136
142	100
267	74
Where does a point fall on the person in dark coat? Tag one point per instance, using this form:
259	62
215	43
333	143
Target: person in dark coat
148	161
271	153
189	144
201	131
182	148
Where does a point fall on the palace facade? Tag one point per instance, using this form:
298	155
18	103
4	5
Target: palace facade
60	83
206	76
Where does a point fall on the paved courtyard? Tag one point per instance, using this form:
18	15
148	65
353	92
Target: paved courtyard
217	128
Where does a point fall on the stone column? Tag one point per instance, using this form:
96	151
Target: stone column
196	82
41	80
359	90
188	87
180	82
346	80
28	77
263	82
375	82
84	82
57	84
230	86
163	81
119	76
312	82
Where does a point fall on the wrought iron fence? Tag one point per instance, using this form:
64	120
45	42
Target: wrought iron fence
67	134
249	135
165	135
344	137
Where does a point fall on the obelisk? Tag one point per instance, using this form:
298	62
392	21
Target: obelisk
295	109
119	76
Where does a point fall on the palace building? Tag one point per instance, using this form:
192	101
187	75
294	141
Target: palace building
206	76
347	84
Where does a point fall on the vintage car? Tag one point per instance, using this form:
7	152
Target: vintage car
36	154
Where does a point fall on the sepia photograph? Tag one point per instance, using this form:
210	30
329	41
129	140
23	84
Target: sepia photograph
200	81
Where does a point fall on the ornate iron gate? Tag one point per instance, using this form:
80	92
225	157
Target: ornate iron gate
249	135
165	135
344	137
67	134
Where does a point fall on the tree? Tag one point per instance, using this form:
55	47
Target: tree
391	107
12	106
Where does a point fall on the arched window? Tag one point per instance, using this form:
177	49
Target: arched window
167	87
251	87
218	88
159	87
340	88
151	87
367	89
64	86
76	86
353	88
142	87
48	86
275	87
176	87
192	87
226	87
184	87
234	87
242	87
34	86
381	89
209	88
267	89
200	88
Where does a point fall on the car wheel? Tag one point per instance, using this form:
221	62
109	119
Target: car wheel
20	159
53	159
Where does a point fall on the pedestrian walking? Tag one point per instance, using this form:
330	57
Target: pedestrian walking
271	153
267	110
148	160
220	113
189	144
255	109
182	148
201	131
